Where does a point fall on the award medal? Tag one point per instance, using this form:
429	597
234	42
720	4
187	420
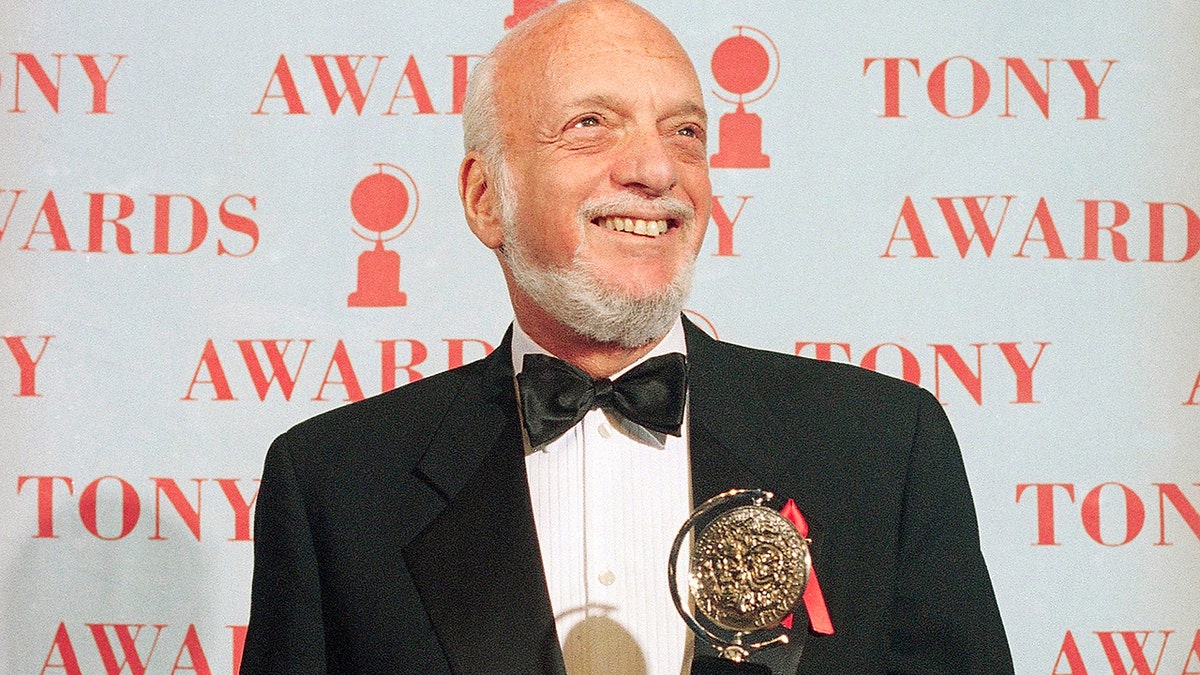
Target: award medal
746	574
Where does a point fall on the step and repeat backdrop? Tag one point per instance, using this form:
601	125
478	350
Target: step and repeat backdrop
219	219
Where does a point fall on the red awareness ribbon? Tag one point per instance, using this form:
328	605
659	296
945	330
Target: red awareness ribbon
814	600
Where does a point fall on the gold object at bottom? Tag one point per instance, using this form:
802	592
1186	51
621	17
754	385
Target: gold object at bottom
746	573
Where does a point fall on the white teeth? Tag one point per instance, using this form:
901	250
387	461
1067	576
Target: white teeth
649	228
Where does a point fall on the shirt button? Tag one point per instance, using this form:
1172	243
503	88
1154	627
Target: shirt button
607	577
605	430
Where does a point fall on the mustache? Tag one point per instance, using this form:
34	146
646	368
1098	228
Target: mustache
666	207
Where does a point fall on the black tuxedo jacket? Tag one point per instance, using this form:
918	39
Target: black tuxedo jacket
395	535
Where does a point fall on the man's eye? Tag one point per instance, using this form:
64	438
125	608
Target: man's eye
589	121
693	132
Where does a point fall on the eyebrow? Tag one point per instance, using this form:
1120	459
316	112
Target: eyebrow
596	101
694	109
613	103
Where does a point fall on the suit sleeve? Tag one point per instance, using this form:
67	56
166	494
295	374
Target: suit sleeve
944	615
286	633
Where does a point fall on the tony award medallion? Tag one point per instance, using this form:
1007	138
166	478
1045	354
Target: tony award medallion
747	571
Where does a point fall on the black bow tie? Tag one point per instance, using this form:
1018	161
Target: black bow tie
555	395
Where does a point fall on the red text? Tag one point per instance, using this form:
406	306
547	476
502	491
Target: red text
966	365
26	361
135	647
960	86
43	76
725	223
176	223
352	78
1111	514
110	507
1129	652
279	364
1169	232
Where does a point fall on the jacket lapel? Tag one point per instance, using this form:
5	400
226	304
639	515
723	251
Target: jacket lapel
477	565
734	442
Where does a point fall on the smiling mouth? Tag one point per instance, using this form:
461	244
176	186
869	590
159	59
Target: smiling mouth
647	228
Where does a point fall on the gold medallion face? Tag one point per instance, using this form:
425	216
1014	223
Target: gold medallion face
748	569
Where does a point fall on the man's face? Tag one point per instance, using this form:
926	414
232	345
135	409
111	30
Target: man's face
604	132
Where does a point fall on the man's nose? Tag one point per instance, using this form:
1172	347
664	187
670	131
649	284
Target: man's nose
646	165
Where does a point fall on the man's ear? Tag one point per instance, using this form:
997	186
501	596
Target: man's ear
480	205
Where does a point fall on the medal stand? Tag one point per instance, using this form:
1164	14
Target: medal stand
740	141
378	279
708	665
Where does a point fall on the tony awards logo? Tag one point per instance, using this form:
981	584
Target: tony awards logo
742	66
522	9
380	203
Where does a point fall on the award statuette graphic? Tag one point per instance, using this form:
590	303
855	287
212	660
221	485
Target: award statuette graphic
747	572
742	66
381	202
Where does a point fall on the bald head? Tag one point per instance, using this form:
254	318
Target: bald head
524	60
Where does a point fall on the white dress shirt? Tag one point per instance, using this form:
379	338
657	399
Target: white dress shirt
608	498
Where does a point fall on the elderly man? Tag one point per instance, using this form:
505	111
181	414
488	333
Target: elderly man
515	515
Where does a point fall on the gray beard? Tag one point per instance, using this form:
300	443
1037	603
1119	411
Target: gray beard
576	297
